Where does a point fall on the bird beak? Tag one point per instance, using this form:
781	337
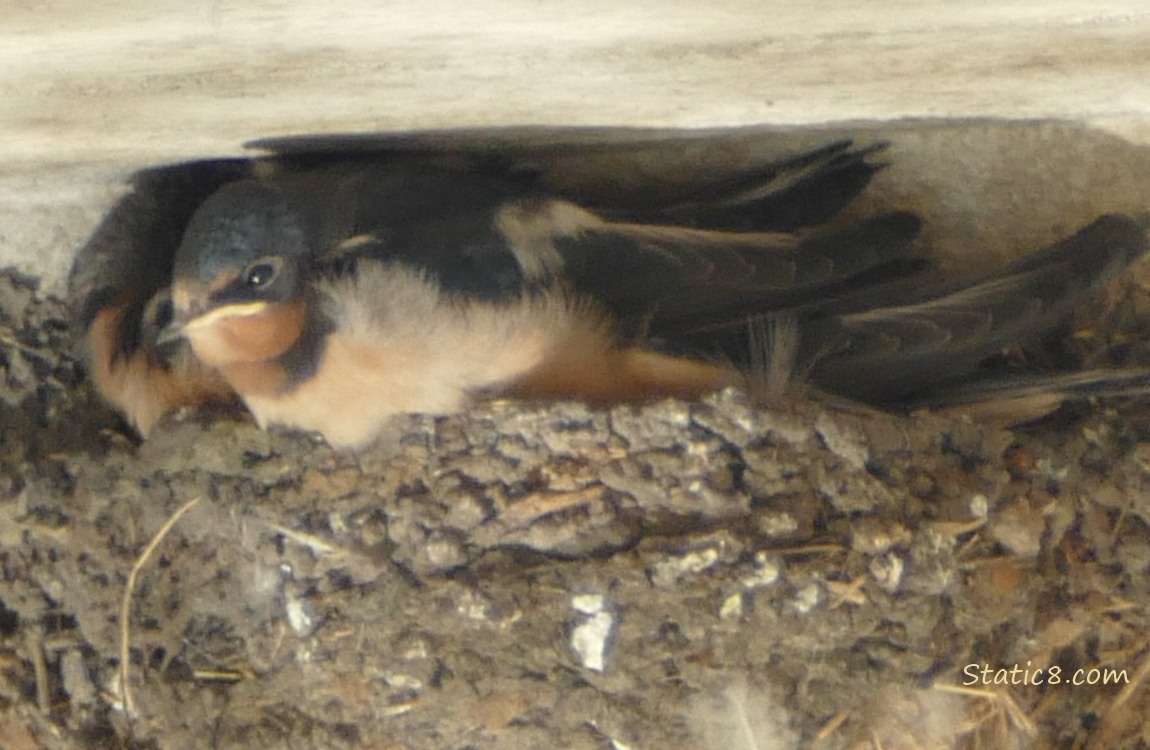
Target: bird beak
197	317
171	332
187	305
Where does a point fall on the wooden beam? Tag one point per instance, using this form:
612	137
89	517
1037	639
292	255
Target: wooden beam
92	91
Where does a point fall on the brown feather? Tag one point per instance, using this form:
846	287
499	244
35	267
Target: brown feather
141	387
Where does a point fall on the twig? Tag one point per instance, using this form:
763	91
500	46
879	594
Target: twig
35	646
1131	687
126	603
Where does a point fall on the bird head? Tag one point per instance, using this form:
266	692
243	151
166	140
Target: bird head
238	279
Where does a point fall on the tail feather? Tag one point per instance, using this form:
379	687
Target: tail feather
1021	398
889	354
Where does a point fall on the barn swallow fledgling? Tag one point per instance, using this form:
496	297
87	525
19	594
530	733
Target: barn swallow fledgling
120	283
331	297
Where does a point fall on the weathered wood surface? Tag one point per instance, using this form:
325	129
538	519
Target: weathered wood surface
92	91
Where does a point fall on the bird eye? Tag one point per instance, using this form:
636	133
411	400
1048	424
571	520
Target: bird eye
260	275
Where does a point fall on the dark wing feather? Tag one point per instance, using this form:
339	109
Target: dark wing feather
779	195
684	280
1022	397
804	191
